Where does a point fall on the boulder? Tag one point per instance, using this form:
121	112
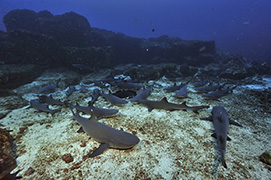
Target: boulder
68	29
12	76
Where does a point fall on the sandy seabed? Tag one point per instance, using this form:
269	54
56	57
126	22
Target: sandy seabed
174	144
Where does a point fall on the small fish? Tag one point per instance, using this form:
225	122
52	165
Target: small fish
106	135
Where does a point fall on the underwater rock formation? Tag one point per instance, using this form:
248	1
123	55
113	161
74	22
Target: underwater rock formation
62	40
69	29
12	76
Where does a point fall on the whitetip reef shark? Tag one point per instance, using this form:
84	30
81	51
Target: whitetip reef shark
99	112
221	124
164	104
114	100
142	94
49	88
36	104
106	135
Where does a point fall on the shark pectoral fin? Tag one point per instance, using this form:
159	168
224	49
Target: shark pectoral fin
214	135
80	130
207	118
90	104
235	123
99	150
223	162
196	111
228	138
150	109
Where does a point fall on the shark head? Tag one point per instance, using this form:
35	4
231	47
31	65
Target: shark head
126	141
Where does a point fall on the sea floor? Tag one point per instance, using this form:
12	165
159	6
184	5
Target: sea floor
174	144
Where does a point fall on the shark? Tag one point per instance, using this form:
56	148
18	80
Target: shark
218	94
182	93
36	104
201	83
114	100
99	112
209	88
142	94
50	100
95	94
174	88
106	135
49	88
83	88
164	104
221	125
70	90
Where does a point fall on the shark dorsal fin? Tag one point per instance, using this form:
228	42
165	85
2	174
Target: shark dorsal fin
220	117
164	100
51	96
221	138
184	103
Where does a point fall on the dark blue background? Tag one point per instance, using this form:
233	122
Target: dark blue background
240	26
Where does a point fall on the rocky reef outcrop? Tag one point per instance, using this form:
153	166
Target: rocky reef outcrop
61	40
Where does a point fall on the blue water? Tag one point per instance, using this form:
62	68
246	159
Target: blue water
239	26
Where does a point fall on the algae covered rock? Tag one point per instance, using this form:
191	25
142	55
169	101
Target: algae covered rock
7	153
